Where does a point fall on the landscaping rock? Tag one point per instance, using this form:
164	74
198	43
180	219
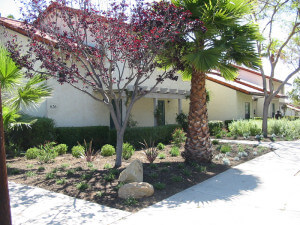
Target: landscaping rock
236	158
136	190
132	173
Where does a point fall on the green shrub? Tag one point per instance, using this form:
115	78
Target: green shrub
82	186
41	129
178	137
107	166
61	149
215	127
215	142
225	148
108	150
218	136
47	152
109	177
32	153
280	127
72	135
227	122
159	186
160	146
182	120
161	155
78	151
128	151
174	151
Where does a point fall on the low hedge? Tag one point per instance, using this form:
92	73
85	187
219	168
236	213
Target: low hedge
137	135
215	126
41	130
72	135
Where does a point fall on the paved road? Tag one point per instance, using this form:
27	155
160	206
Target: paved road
265	190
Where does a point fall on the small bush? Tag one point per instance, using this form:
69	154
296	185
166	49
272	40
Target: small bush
61	181
159	186
78	151
108	150
161	155
182	119
178	137
32	153
82	186
160	146
109	177
30	174
174	151
176	178
215	142
70	172
215	127
151	152
130	201
61	149
218	136
187	172
89	153
107	166
47	152
41	169
50	176
225	148
128	151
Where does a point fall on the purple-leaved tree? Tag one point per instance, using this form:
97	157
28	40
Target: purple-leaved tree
108	52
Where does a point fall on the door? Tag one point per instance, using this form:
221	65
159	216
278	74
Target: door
247	110
161	113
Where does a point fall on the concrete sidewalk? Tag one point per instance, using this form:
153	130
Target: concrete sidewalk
265	190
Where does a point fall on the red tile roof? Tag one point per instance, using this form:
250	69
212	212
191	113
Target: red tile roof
21	28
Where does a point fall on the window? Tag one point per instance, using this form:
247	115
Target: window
247	110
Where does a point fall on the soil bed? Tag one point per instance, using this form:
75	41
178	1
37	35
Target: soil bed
69	175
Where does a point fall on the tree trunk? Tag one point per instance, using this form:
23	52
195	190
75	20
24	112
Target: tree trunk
5	216
198	145
265	118
120	137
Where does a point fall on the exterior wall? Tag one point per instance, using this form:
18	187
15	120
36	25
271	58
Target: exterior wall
260	105
241	100
256	79
143	112
223	102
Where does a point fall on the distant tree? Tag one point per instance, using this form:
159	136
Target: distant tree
294	94
274	16
10	16
109	53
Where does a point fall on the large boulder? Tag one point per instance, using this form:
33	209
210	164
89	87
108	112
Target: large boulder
132	173
136	190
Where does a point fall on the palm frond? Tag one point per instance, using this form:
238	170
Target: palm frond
10	73
204	60
31	93
228	71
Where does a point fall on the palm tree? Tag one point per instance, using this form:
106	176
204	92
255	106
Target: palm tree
16	91
14	95
227	40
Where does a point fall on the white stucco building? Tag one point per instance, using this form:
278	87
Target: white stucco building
238	99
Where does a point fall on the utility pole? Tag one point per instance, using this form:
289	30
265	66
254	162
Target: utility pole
5	215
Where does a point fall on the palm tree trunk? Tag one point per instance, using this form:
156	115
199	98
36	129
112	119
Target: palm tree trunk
5	214
198	144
